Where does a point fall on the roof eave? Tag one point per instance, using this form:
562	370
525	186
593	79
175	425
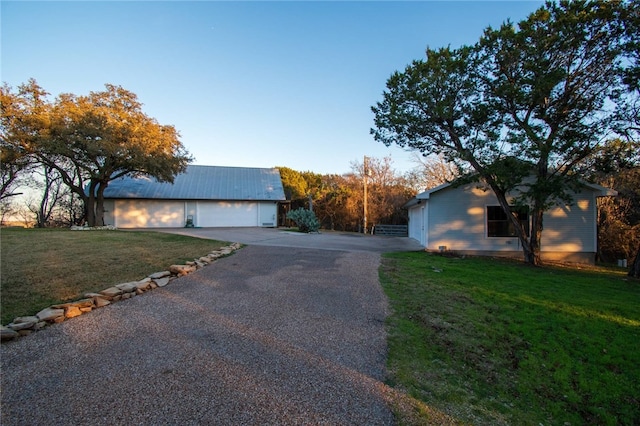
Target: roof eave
602	191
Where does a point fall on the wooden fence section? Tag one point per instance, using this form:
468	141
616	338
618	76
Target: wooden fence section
392	230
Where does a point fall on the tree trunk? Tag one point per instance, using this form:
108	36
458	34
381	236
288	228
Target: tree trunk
91	205
51	196
533	255
99	211
634	271
75	182
530	245
85	212
100	204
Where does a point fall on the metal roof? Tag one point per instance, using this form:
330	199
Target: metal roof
204	183
600	191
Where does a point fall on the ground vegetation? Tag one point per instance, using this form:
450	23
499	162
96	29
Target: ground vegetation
42	267
496	342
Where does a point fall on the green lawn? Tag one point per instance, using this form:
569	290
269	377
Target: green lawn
498	342
41	267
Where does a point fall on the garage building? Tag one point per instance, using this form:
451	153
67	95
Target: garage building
205	196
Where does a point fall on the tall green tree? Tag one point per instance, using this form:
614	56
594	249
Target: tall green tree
22	119
300	187
294	184
96	138
106	135
630	112
630	74
522	108
335	204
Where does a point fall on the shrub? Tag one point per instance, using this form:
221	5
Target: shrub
305	219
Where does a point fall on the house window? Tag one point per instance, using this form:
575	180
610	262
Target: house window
498	225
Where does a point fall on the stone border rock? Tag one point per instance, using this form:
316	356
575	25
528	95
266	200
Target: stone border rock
23	326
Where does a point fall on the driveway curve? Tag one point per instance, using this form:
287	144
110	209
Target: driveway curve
274	334
325	240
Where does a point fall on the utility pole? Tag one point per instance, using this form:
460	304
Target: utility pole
365	174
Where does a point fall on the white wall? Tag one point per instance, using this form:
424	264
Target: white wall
457	221
109	212
173	214
456	218
149	214
573	227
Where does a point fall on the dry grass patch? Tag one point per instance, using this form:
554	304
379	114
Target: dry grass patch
41	267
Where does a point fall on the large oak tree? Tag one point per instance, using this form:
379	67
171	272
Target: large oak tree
96	138
521	109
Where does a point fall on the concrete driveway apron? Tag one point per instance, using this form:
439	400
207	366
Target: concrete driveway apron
278	333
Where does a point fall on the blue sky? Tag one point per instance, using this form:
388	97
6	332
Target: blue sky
249	84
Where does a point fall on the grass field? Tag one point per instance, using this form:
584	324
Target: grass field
41	267
497	342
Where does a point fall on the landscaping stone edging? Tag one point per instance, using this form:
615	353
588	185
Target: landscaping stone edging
24	326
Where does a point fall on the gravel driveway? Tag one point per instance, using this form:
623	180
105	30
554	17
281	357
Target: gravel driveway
269	335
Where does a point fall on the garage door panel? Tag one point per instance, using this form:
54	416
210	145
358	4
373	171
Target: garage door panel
149	214
227	213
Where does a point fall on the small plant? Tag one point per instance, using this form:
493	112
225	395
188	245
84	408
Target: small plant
305	219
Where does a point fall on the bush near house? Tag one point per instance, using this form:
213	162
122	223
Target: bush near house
306	220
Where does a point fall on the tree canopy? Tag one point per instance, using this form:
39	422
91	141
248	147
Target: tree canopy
522	108
93	139
22	116
338	200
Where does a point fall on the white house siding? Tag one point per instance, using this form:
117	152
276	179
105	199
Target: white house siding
172	213
455	218
457	221
571	228
109	212
149	214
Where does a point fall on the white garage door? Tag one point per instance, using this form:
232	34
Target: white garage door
227	213
149	214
